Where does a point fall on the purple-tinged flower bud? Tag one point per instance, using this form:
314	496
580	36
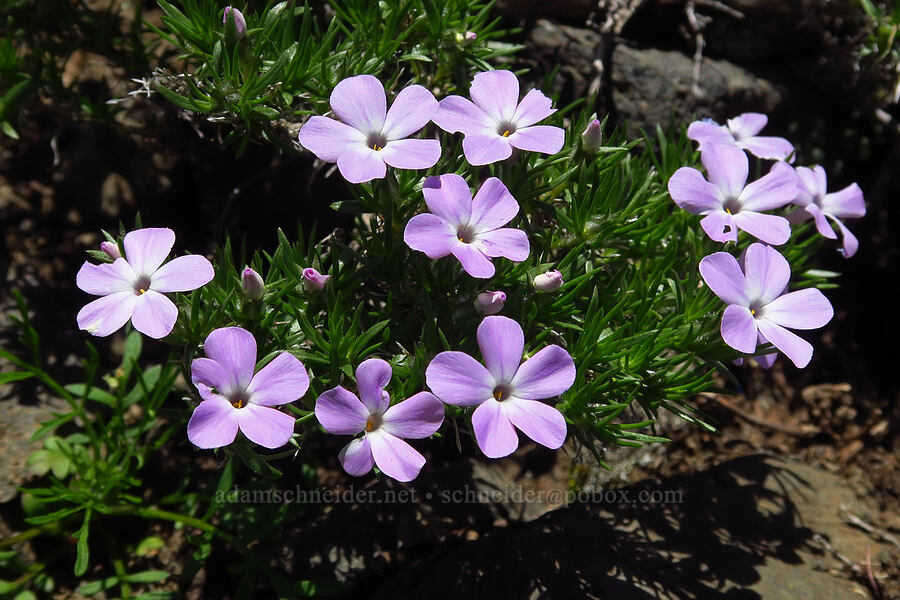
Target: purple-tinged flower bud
111	249
252	285
490	303
548	282
240	23
314	281
466	38
592	137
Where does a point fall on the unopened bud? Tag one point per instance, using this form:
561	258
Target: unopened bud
490	303
313	281
466	38
592	137
111	249
548	282
240	23
252	285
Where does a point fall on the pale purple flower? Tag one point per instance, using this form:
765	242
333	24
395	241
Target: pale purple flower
313	281
816	203
758	305
383	426
548	282
111	250
507	392
494	121
490	303
240	23
252	285
592	137
728	203
368	136
741	132
133	287
234	398
469	229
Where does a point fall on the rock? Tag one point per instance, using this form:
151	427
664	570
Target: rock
572	49
650	86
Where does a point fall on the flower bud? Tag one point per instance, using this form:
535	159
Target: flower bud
467	38
490	303
592	137
252	285
111	249
240	23
548	282
313	281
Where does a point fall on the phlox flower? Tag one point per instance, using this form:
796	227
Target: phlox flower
132	287
234	398
728	203
506	391
494	121
815	202
758	307
368	136
313	281
383	426
490	303
469	229
741	131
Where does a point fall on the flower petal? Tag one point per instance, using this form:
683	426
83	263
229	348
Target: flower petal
411	153
812	184
107	278
724	276
458	379
850	244
281	381
418	416
804	309
507	242
395	457
360	102
486	148
546	139
182	274
769	148
719	226
448	197
493	430
542	423
727	168
739	328
793	346
356	457
106	315
549	373
747	124
430	234
773	190
411	110
329	138
767	273
822	224
213	424
771	229
473	260
359	164
154	315
690	190
458	114
146	249
372	376
847	203
534	107
266	426
492	207
502	342
340	412
206	371
235	349
707	132
497	93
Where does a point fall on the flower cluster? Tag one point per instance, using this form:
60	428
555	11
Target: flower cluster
759	309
